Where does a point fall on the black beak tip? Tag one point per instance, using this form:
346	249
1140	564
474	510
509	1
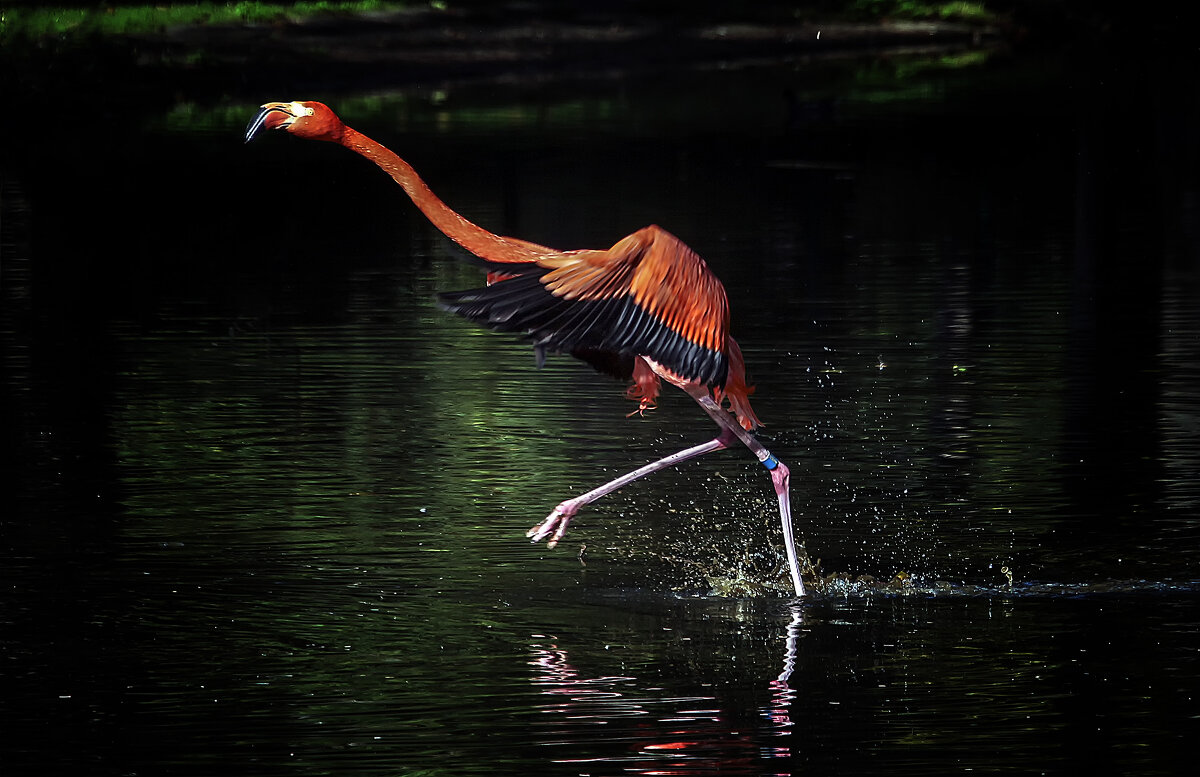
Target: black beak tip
256	124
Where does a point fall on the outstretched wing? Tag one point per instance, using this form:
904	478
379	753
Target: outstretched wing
649	295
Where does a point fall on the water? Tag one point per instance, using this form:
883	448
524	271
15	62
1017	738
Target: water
270	501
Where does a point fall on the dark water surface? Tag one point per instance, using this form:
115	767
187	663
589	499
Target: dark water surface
269	507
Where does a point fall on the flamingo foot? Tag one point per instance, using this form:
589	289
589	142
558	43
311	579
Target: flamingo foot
555	525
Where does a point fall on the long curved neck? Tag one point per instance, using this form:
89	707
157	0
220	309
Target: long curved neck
470	236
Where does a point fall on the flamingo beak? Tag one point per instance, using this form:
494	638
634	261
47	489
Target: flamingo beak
271	116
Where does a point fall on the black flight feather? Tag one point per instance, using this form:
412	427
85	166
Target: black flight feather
584	328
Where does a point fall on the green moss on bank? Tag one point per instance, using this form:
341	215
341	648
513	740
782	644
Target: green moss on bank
958	10
44	24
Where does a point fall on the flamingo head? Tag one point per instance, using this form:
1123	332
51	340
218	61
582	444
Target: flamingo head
306	119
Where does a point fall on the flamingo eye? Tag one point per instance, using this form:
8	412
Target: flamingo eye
309	111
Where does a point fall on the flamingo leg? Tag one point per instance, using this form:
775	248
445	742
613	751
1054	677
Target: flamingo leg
555	525
780	475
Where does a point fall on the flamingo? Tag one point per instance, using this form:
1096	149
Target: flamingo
646	309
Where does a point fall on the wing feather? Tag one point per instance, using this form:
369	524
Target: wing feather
649	295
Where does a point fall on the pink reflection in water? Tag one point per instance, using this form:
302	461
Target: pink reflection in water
651	732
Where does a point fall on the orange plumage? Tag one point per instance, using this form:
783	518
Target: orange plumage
649	300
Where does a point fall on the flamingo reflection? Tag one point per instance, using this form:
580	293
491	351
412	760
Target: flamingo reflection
648	730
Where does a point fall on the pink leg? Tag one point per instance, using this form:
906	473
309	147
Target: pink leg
780	475
555	525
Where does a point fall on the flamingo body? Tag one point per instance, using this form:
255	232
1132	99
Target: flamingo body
648	299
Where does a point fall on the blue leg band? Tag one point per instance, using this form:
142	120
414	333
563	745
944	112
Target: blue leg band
770	462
